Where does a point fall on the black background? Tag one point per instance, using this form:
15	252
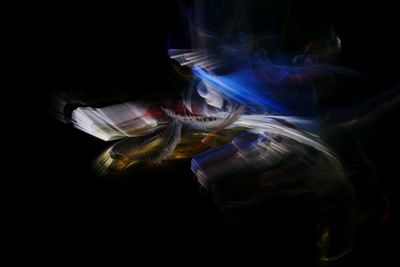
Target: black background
54	206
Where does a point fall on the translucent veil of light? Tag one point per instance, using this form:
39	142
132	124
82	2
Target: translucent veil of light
249	119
